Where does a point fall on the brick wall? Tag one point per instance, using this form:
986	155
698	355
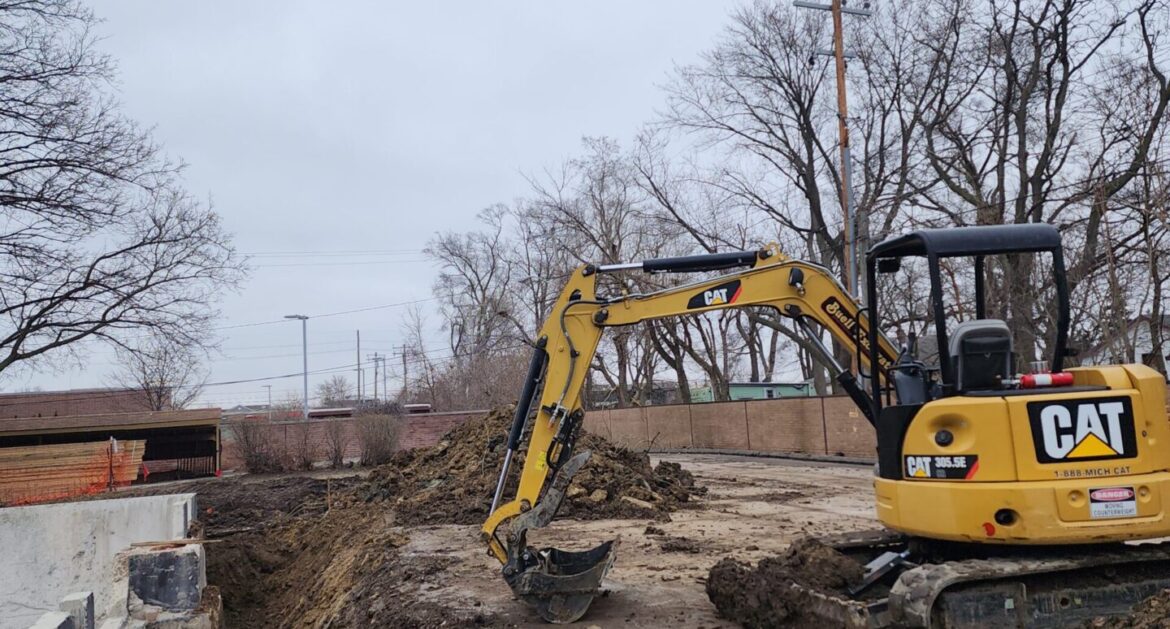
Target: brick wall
415	431
829	426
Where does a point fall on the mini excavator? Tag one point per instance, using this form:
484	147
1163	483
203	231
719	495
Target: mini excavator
1007	499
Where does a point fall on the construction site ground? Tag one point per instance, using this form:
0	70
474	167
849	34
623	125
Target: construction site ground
442	576
754	507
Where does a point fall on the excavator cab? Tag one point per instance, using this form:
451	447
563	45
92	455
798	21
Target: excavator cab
978	354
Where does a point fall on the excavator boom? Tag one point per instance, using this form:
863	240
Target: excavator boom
561	584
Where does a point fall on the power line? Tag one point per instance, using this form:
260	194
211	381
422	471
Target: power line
337	252
360	263
369	308
328	314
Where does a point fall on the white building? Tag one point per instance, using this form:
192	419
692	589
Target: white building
1138	339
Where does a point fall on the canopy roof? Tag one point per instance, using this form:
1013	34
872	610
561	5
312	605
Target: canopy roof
970	241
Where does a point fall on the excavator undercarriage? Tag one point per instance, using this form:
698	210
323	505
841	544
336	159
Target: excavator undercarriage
1008	499
918	582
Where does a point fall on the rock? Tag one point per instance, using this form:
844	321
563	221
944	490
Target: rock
575	490
642	504
172	579
598	495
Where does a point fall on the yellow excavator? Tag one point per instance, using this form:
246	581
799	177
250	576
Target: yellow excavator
1008	499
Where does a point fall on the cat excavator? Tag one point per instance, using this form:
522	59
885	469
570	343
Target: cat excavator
1008	498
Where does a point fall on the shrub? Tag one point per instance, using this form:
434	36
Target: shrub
336	441
259	445
301	445
378	437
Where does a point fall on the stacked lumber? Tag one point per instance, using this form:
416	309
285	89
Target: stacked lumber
33	474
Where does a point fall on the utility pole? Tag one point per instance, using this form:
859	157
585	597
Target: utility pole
358	368
375	359
385	391
848	209
305	355
269	387
405	374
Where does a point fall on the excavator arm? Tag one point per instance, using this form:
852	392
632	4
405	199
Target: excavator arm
562	584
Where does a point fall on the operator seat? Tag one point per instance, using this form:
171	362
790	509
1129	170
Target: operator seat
981	351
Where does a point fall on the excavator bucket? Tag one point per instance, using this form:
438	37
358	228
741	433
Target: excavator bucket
560	584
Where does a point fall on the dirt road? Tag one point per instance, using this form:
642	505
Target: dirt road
754	508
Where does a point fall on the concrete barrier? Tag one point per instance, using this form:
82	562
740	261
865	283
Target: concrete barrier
669	427
720	426
51	551
794	426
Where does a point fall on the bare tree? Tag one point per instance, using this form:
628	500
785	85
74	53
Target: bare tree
167	375
99	241
1042	111
335	391
967	112
473	284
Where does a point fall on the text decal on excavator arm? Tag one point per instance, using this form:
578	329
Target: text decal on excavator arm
1083	430
721	295
844	319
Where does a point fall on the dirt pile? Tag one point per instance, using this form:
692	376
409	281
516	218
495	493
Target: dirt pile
338	569
453	481
227	507
762	596
1152	613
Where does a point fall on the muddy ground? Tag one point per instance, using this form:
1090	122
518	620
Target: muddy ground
310	550
314	562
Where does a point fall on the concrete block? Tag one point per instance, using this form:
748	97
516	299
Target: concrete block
669	426
787	425
623	426
53	620
79	606
51	550
847	431
172	579
720	426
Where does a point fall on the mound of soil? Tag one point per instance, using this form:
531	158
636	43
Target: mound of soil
339	569
453	481
762	596
1152	613
231	506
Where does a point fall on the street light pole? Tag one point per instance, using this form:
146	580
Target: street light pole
305	356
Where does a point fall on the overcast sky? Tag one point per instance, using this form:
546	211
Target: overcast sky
336	137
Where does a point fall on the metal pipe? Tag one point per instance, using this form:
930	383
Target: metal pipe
305	357
621	266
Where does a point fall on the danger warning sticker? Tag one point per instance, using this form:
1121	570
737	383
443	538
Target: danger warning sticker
1112	502
942	467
